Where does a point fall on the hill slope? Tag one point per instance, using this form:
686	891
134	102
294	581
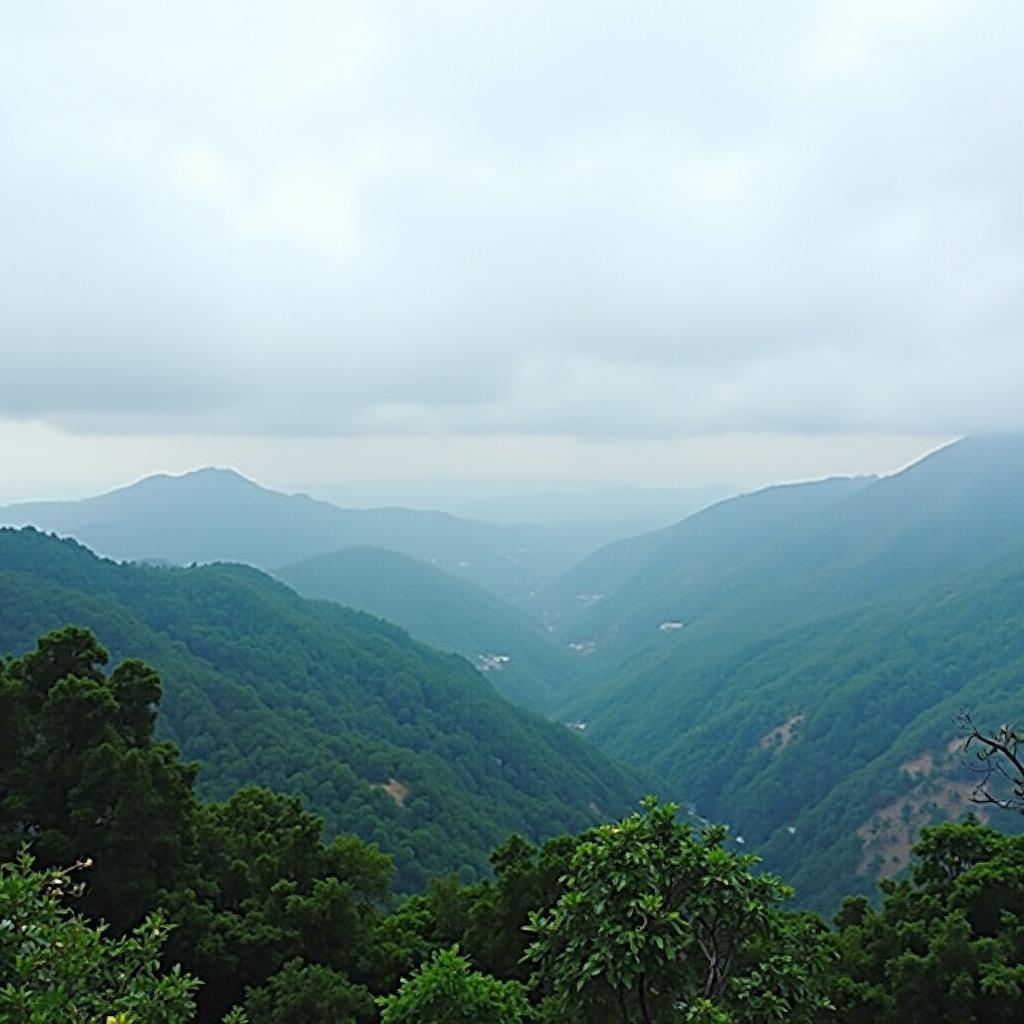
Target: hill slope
383	736
620	591
767	560
846	731
447	613
217	515
812	649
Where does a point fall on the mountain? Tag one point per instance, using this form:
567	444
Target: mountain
766	561
522	660
829	748
619	590
217	515
381	735
780	649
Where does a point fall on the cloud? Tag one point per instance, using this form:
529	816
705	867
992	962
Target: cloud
595	220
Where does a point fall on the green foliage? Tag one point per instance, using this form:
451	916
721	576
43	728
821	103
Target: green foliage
654	918
310	994
947	945
446	612
527	880
269	895
446	991
81	771
263	687
56	968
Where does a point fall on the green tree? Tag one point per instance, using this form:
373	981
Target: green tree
310	994
446	991
947	944
526	879
81	770
657	924
57	968
267	890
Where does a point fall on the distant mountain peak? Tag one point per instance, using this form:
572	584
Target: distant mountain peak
216	479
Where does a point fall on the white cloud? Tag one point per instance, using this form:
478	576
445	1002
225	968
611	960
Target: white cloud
520	219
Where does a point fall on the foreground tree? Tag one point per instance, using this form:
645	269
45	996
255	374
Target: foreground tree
269	895
947	944
310	994
80	771
447	991
57	968
658	924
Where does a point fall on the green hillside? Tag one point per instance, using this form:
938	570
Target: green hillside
217	515
383	736
621	593
447	613
846	732
817	652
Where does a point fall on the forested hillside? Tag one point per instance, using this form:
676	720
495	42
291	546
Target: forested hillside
794	660
381	735
217	515
616	593
519	657
242	912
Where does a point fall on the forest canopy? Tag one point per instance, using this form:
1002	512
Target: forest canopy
240	910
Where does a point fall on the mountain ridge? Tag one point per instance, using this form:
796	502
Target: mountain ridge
215	514
261	685
521	659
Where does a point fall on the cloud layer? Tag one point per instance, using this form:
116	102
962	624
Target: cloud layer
456	218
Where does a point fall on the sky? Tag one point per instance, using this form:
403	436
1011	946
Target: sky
453	244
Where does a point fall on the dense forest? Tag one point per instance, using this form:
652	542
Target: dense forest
383	737
240	911
524	663
791	662
818	642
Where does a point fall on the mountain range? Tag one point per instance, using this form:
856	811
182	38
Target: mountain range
218	515
785	647
383	736
791	661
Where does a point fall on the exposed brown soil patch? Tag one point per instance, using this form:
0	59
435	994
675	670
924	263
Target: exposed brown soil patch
781	735
920	766
888	835
395	788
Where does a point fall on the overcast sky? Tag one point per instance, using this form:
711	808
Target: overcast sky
662	243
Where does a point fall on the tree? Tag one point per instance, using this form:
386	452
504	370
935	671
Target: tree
999	765
446	991
57	968
947	944
658	924
526	878
80	773
267	891
312	994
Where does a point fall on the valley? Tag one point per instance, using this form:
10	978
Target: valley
791	661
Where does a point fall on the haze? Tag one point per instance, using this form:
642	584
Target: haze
465	248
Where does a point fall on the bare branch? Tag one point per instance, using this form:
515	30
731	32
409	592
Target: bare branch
1000	757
